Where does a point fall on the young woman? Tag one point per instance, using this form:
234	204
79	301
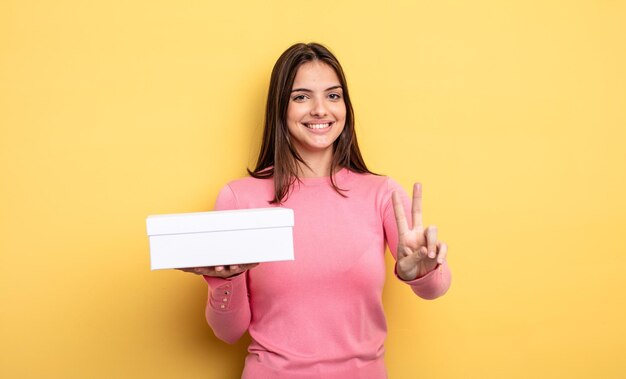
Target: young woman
321	315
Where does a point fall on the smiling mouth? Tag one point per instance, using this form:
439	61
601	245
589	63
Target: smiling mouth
318	126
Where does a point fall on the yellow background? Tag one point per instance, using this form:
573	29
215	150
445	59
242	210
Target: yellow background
512	114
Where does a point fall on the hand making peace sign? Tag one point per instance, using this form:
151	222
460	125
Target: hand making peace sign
419	252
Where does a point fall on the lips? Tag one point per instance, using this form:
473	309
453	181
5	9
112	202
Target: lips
318	125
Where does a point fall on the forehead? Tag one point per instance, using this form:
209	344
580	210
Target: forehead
315	74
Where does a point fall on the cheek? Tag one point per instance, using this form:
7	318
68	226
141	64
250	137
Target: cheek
290	115
292	121
340	111
294	114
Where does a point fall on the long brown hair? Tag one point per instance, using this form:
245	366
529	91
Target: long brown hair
278	157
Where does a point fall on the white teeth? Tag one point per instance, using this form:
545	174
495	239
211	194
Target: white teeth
318	126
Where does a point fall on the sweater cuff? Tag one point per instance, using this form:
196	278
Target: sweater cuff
215	281
226	293
422	280
432	285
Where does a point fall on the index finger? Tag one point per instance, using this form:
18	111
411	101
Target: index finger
416	208
398	210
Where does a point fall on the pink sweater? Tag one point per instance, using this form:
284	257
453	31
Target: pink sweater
321	315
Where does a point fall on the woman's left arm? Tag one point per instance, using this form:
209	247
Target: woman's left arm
420	256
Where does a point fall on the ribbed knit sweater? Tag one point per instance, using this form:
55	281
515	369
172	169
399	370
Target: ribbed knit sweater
321	315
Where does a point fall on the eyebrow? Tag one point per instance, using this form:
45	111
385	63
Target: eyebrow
308	90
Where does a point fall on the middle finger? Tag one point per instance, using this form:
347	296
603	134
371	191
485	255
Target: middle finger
431	241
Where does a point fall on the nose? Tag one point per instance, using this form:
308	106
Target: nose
318	109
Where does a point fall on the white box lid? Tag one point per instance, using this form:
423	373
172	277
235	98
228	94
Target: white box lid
254	218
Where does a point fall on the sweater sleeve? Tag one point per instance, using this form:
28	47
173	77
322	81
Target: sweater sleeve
430	286
228	307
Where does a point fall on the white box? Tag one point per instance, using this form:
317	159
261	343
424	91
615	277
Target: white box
220	237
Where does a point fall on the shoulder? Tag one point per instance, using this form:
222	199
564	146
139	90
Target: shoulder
248	183
381	183
375	189
247	192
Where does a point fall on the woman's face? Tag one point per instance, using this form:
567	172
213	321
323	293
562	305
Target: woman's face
316	113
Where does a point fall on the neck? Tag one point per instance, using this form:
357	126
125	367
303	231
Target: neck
318	164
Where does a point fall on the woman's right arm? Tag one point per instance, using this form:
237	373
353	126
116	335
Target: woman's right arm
228	307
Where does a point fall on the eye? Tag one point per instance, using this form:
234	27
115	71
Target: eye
334	96
299	98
